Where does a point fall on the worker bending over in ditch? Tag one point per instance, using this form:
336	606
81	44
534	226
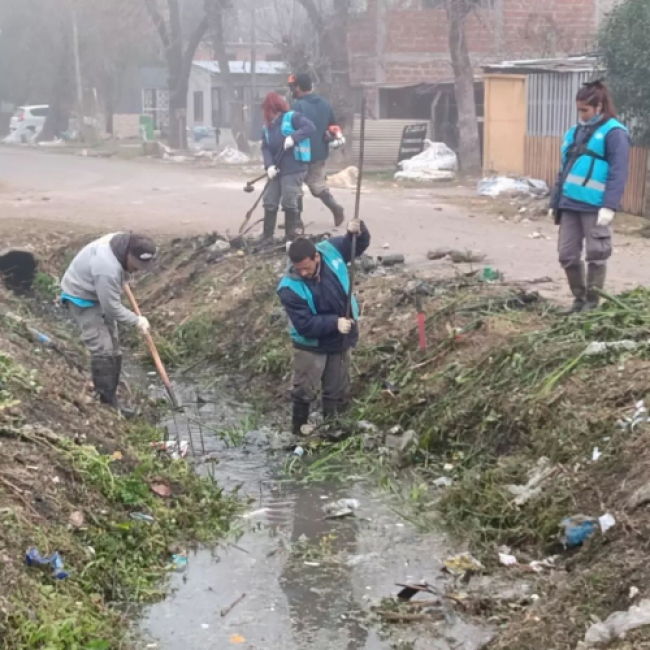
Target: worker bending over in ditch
92	292
588	192
327	134
286	151
315	293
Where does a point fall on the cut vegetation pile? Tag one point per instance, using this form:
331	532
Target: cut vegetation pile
505	384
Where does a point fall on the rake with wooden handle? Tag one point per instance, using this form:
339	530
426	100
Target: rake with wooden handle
154	351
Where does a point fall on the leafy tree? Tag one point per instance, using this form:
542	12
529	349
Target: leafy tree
624	42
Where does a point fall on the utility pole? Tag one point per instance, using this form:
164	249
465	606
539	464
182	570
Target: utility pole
77	69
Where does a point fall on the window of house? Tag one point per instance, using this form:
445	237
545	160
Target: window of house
198	106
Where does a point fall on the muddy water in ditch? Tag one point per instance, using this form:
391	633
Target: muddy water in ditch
309	582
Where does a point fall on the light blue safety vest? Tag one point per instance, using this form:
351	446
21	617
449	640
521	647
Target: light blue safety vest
587	180
302	150
330	256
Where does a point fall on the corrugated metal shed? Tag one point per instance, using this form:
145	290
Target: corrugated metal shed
383	138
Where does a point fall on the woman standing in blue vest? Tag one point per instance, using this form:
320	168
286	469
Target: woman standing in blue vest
286	151
588	192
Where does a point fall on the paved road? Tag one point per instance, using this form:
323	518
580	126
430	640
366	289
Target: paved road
167	199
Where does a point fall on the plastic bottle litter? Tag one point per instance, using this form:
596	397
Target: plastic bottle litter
40	338
577	529
180	562
34	558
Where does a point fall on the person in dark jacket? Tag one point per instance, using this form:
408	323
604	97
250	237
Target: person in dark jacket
320	112
314	293
588	192
287	152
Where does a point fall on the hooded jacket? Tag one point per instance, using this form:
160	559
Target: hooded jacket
330	301
319	111
97	275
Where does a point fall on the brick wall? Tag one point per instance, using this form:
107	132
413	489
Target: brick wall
416	48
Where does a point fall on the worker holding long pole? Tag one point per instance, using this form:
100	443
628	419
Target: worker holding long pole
317	293
92	293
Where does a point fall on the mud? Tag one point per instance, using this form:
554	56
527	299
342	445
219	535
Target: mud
308	581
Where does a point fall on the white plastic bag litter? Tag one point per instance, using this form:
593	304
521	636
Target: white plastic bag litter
499	185
437	162
618	624
232	156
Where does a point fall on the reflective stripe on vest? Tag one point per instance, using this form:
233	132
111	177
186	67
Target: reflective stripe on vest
587	180
330	256
302	150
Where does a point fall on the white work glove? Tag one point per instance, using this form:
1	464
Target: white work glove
289	142
143	325
605	217
338	142
354	227
272	172
345	325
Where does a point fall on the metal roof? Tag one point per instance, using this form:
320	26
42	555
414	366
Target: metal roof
244	67
584	63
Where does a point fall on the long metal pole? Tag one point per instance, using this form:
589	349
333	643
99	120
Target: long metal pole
357	205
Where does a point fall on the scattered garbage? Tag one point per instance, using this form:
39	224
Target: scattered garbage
463	564
640	416
606	522
232	156
345	179
577	530
439	254
299	451
391	260
237	638
634	592
141	516
436	163
341	508
500	185
537	478
179	560
172	447
490	275
443	482
618	624
466	257
539	566
368	427
410	590
34	558
598	348
595	455
506	558
220	246
639	498
77	519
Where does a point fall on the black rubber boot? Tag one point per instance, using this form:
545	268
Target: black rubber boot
291	218
300	417
105	378
270	220
596	276
127	413
338	212
576	277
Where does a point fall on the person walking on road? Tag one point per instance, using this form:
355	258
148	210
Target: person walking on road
314	293
588	192
287	152
320	112
92	292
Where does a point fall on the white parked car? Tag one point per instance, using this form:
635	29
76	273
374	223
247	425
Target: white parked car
28	120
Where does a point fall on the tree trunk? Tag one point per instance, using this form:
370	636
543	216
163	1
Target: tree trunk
469	147
61	99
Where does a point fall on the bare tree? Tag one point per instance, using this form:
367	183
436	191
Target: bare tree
179	57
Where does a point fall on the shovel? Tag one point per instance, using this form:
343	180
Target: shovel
154	351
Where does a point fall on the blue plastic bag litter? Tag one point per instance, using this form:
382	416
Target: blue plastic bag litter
577	529
34	558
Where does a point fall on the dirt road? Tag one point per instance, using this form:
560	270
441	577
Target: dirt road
103	195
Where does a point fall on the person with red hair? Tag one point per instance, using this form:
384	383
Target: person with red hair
287	153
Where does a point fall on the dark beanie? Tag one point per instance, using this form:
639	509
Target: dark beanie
143	248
